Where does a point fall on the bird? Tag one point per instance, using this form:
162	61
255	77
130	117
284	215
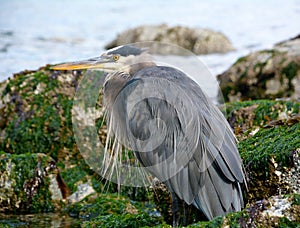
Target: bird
176	132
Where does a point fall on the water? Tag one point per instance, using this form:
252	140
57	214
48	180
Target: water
49	220
34	33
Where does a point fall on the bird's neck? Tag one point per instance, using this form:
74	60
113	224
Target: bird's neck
116	81
134	68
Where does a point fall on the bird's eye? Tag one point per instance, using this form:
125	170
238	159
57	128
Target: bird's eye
116	57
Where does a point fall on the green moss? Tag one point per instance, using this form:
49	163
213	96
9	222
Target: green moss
216	222
73	175
237	219
41	202
290	70
31	134
268	146
112	210
109	210
240	60
276	142
234	220
28	191
39	116
127	220
6	90
296	199
257	153
244	74
264	111
286	223
270	51
105	204
258	67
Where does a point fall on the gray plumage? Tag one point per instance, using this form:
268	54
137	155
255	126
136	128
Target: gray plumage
211	178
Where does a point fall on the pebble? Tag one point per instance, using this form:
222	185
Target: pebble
83	190
279	206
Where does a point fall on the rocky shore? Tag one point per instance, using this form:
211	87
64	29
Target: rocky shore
42	170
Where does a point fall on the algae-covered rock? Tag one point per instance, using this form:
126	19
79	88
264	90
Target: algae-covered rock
268	133
265	74
258	215
36	117
199	41
30	183
36	114
113	210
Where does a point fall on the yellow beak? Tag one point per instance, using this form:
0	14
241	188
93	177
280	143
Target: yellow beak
93	63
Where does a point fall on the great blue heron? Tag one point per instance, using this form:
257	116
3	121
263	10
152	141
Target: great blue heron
203	165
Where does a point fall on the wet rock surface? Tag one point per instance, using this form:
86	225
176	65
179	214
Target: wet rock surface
36	124
30	183
265	74
199	41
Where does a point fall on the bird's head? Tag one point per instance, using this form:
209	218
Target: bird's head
125	58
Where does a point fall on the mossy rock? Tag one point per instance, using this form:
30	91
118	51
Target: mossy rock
36	114
126	220
268	133
265	74
113	210
30	183
36	117
257	215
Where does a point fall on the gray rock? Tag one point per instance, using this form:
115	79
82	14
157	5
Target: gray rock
83	190
199	41
265	74
279	207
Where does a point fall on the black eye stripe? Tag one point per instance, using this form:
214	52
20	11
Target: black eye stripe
125	51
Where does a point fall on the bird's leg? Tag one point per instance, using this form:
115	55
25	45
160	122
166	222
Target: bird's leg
175	210
186	214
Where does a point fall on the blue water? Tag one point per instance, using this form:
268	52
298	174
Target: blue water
34	33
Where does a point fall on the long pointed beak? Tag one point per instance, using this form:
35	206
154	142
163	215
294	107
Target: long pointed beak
92	63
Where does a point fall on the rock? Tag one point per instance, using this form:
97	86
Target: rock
83	190
278	207
111	210
36	116
266	74
277	211
30	183
198	41
268	144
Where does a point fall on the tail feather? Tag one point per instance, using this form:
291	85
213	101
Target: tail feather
218	197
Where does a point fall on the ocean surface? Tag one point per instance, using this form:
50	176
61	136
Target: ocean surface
34	33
